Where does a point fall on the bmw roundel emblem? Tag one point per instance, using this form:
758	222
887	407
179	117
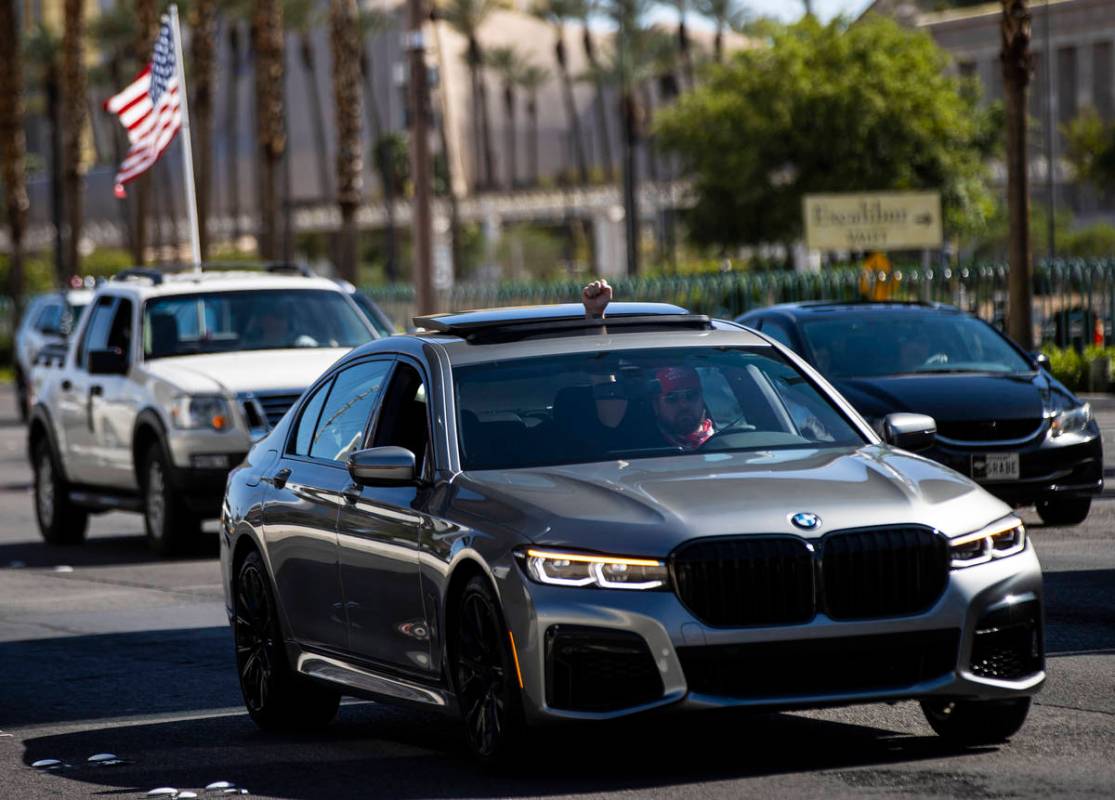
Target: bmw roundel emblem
806	521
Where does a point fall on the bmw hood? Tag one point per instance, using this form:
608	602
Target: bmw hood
649	506
951	397
232	373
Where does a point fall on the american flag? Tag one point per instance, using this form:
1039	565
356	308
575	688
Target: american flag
149	109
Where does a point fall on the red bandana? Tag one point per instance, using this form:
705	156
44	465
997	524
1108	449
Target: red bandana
691	441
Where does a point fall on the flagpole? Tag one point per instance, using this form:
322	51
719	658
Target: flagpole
187	148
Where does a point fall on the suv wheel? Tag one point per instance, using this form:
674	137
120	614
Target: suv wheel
170	527
60	521
277	698
485	676
1064	511
976	722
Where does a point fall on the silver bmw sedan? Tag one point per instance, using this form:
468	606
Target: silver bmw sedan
524	515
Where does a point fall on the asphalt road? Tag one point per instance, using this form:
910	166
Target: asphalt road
105	649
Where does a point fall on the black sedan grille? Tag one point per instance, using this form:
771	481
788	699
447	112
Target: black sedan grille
746	581
771	580
812	667
989	430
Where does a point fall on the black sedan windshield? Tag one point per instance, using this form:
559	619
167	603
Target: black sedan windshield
875	344
586	407
220	322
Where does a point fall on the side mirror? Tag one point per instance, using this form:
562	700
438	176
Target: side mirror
911	432
1041	359
383	466
108	362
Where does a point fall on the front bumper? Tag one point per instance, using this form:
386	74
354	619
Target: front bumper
1068	466
675	641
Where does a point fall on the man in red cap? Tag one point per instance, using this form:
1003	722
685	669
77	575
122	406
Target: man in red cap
679	405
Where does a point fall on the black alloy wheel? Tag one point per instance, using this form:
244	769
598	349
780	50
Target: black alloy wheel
276	697
976	722
1064	510
485	675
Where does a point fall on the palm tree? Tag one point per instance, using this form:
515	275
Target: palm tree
531	79
43	57
585	10
683	46
724	14
203	24
557	12
13	146
370	23
466	17
301	17
269	48
346	45
507	64
73	115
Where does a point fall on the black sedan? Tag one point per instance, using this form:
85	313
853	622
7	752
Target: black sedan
1001	418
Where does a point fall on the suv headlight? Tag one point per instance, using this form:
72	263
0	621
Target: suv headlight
998	540
1071	420
201	411
560	568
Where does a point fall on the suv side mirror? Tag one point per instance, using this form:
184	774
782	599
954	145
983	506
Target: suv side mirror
383	466
1041	359
108	362
911	432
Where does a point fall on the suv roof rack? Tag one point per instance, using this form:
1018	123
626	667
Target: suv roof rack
504	324
157	275
150	273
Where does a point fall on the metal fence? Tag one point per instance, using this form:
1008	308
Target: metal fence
1074	301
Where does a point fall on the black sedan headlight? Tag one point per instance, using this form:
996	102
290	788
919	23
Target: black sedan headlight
571	568
997	540
1070	420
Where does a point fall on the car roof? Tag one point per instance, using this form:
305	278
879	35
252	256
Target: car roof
827	307
144	285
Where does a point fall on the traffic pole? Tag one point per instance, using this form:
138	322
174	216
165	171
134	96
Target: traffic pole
187	148
418	96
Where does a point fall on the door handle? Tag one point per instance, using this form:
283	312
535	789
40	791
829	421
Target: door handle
67	385
96	390
279	479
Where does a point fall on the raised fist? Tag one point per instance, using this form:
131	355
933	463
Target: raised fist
596	297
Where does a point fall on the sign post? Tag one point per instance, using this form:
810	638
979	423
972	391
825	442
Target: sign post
875	221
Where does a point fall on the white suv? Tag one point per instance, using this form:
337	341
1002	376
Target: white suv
166	383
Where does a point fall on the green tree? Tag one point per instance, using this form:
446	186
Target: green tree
1090	148
830	108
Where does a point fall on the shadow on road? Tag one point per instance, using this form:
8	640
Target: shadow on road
374	750
101	551
1080	611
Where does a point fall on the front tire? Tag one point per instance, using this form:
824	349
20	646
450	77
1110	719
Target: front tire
1065	510
171	528
277	698
485	675
976	722
60	521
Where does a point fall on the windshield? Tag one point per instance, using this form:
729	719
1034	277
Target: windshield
221	322
605	406
854	346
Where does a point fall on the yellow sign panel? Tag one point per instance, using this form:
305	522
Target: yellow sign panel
874	221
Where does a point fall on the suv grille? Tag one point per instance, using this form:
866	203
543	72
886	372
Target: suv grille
274	405
820	666
772	580
990	430
746	581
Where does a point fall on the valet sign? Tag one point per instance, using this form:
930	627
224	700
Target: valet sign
874	221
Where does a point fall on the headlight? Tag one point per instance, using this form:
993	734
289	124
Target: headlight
201	411
998	540
605	572
1071	420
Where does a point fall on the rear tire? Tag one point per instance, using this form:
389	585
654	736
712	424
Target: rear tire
60	521
976	722
277	698
171	528
1064	511
485	676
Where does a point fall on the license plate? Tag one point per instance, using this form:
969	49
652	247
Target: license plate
996	467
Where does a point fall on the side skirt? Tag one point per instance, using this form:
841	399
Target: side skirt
363	682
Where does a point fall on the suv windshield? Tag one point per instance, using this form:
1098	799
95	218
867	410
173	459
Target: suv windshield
605	406
870	345
220	322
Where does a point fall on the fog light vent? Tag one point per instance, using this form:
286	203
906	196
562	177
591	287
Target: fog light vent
594	669
1008	643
